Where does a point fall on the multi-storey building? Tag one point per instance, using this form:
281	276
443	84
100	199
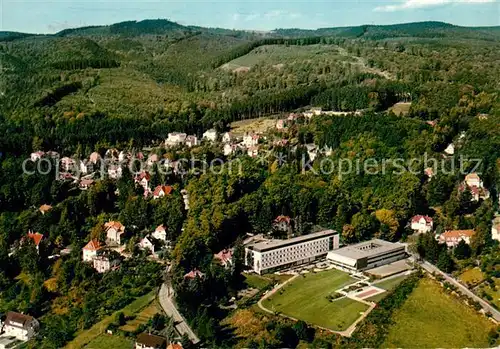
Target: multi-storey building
366	255
268	256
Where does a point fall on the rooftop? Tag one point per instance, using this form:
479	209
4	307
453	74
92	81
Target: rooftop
367	249
273	244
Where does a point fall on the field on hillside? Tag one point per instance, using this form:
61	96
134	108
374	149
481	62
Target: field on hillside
105	341
431	318
281	54
85	337
258	125
305	298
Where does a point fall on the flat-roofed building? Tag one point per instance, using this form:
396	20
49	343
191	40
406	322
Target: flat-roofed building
271	255
366	255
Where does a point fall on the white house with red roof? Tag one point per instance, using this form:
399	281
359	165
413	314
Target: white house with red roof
143	179
162	190
473	180
91	250
160	233
452	237
37	155
225	257
422	224
282	223
474	183
114	231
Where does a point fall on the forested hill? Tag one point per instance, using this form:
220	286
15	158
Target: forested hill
155	76
428	29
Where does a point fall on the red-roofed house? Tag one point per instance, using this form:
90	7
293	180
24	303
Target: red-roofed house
225	257
452	237
36	238
422	224
162	190
282	223
45	208
114	230
160	233
143	179
194	274
37	155
473	180
91	249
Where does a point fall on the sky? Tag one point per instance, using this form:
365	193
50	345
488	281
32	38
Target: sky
39	16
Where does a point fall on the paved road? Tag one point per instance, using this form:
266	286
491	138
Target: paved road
464	290
169	308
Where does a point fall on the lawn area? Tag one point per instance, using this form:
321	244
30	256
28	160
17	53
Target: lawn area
143	317
388	285
472	276
105	341
401	108
258	125
85	337
256	281
431	318
305	298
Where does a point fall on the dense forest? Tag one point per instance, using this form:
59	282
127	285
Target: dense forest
128	85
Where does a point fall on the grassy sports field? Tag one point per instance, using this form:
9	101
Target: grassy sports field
305	298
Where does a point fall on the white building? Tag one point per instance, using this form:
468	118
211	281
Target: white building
160	233
210	135
147	243
175	138
192	141
227	137
452	237
250	140
114	171
105	263
366	255
450	149
473	180
91	249
229	149
114	231
422	224
271	255
253	151
20	326
495	229
37	155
